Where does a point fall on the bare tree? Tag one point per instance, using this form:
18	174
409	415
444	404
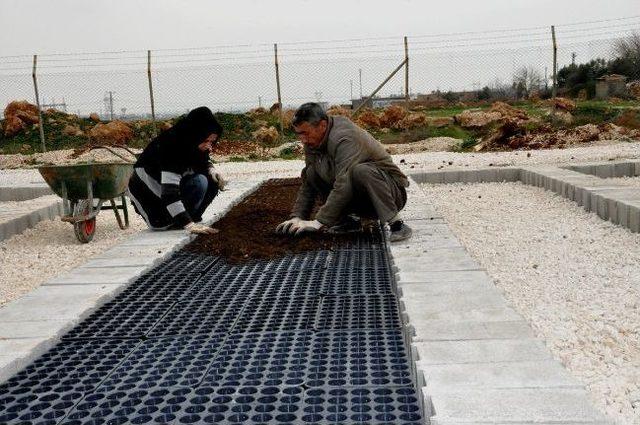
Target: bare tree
527	80
627	61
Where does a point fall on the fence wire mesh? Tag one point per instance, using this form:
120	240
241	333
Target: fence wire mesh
513	64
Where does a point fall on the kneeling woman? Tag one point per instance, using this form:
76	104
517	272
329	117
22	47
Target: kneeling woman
174	181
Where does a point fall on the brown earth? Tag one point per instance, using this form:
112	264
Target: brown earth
247	231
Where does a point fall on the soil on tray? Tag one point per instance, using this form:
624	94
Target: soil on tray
247	231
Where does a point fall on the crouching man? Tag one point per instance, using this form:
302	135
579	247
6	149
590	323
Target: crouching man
350	171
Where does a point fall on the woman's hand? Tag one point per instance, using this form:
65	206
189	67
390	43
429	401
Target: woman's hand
200	229
217	177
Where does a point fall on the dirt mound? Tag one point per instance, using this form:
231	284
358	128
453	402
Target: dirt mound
499	112
247	231
392	115
340	111
368	119
266	135
562	104
412	120
508	111
511	134
114	132
440	121
476	119
18	115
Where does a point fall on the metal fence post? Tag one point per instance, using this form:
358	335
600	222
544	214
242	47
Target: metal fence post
554	89
275	50
35	86
406	71
153	105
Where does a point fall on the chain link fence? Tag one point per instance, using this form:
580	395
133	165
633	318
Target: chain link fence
511	64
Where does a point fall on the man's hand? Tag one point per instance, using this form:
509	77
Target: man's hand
217	177
200	229
305	226
285	226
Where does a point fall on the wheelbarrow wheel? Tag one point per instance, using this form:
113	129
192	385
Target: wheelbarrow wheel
85	229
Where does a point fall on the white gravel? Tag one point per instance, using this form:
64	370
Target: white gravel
573	276
50	248
625	181
601	151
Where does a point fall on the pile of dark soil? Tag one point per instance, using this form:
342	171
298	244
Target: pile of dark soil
247	231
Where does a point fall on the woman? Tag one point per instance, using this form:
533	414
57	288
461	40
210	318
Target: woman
174	181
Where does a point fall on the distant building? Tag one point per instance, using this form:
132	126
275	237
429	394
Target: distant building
612	85
377	102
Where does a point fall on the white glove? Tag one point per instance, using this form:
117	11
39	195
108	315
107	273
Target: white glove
200	229
217	177
305	226
286	225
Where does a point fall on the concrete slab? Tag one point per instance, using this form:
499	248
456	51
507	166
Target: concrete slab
427	277
439	259
458	289
444	330
70	302
429	307
501	375
514	405
420	318
97	275
480	351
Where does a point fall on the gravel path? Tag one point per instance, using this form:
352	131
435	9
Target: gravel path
50	248
573	276
626	181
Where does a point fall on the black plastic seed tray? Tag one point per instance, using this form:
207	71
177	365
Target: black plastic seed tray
358	312
200	316
294	283
48	388
302	261
358	258
361	405
277	314
203	405
186	262
261	359
165	363
158	287
116	319
358	358
357	281
225	280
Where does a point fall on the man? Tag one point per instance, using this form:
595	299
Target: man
173	180
351	171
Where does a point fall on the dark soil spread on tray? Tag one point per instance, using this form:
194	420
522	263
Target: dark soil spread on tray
247	231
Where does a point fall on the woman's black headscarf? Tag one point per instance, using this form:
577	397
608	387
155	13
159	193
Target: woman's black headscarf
179	144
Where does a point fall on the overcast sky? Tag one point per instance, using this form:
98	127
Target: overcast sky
507	35
49	26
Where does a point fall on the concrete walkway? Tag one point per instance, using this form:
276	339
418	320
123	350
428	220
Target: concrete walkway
475	357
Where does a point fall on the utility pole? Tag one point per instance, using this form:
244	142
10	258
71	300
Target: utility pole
351	89
259	101
573	58
360	75
108	102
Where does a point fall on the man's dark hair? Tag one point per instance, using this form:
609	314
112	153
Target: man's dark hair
309	112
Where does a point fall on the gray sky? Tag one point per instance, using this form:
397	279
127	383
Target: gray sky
46	26
454	45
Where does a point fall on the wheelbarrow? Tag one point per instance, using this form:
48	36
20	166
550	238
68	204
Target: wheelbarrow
85	188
